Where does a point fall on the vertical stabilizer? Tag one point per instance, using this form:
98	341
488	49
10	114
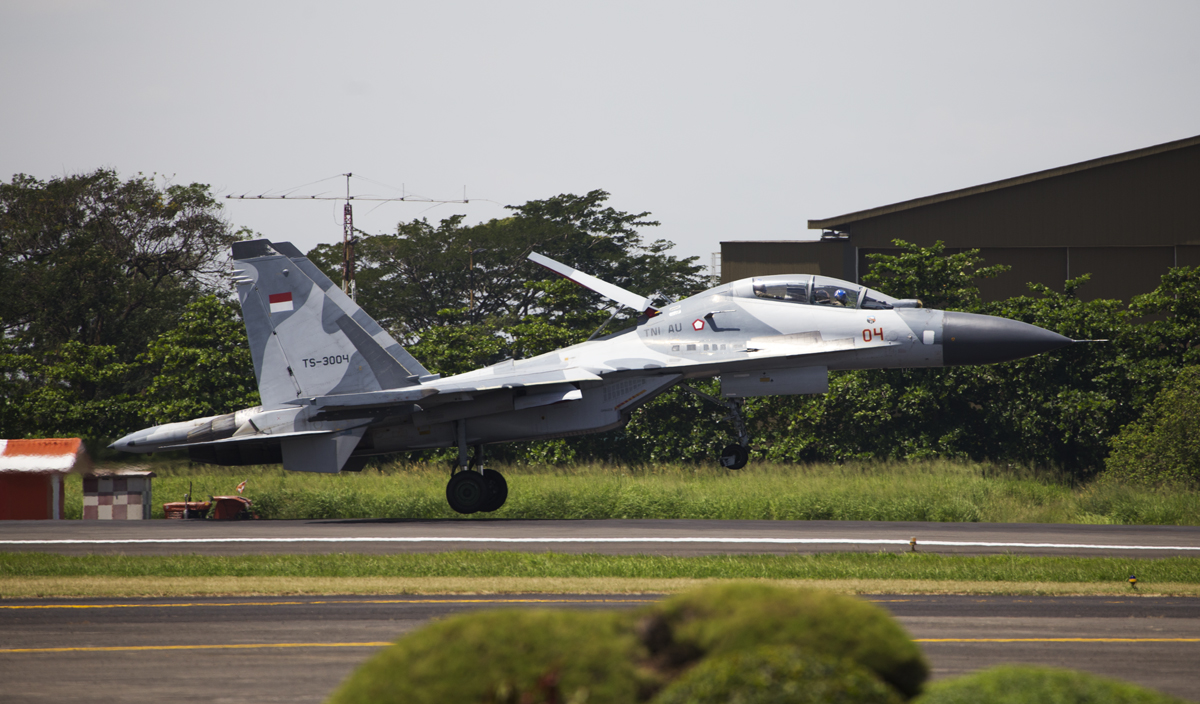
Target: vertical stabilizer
358	315
308	338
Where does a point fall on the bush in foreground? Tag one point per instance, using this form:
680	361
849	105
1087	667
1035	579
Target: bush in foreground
506	656
735	617
1017	684
813	638
777	675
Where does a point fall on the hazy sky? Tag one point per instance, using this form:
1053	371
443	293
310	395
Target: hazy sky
725	120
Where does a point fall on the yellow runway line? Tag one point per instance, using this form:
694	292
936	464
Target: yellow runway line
312	603
239	646
1056	640
380	644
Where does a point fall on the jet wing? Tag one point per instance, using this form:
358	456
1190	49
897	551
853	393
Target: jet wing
451	389
610	291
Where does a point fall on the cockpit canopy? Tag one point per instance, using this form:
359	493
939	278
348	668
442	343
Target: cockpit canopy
822	291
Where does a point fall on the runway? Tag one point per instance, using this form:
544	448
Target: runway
298	650
661	537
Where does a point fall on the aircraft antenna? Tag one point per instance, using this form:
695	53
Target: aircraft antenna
349	236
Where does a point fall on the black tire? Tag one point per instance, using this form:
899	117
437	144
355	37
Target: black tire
466	492
497	490
734	457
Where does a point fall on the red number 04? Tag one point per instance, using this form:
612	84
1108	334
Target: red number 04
868	334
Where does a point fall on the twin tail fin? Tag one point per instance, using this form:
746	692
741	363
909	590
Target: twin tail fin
307	337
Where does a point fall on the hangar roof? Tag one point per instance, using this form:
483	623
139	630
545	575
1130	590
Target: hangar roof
833	222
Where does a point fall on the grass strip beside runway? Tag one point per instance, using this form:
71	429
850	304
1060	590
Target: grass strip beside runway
122	587
43	574
932	490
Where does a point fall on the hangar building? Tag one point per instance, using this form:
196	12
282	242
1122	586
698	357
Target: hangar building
1125	219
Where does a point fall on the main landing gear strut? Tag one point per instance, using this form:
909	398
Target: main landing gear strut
734	456
473	488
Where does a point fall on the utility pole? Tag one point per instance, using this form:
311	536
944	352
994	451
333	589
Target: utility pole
349	237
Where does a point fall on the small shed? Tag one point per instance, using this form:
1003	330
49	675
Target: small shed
31	476
117	495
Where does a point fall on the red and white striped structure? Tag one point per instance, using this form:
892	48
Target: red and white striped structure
31	476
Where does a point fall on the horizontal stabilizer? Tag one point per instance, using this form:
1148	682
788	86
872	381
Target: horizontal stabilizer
610	291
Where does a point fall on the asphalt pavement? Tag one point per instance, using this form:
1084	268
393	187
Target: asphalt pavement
271	649
299	649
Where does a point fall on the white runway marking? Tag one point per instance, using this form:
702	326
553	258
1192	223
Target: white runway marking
667	540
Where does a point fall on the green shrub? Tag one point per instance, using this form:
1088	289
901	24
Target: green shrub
777	675
1022	684
726	618
630	656
1162	446
505	656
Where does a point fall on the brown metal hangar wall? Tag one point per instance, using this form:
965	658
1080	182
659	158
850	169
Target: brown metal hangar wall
1125	219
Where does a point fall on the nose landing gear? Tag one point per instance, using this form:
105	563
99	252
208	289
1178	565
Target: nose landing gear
734	456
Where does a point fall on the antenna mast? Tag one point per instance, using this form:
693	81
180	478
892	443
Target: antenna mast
348	286
348	234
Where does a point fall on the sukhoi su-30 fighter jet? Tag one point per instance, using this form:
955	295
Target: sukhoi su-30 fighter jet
337	388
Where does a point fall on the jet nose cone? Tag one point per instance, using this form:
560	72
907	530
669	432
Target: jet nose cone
968	338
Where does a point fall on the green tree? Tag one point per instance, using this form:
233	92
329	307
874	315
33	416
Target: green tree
202	366
92	268
476	280
940	280
72	390
101	261
1162	447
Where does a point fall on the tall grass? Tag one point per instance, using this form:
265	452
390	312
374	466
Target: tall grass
934	490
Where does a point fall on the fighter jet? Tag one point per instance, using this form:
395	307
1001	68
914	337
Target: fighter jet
337	389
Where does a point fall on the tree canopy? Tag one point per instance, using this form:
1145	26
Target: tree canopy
98	260
93	268
466	294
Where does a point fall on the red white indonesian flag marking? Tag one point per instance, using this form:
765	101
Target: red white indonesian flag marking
280	302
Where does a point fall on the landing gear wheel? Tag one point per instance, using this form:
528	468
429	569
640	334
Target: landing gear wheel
734	457
467	492
497	490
